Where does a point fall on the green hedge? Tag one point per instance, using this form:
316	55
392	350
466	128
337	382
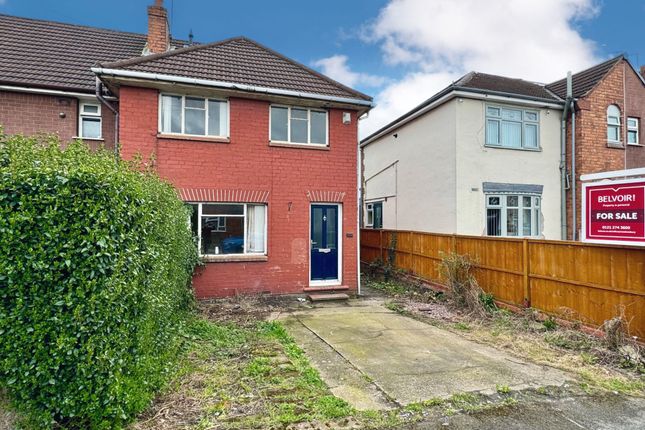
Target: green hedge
95	267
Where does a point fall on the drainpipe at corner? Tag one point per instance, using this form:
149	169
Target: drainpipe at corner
563	159
99	95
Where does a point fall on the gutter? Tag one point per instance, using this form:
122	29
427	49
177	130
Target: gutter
45	91
456	91
104	102
228	85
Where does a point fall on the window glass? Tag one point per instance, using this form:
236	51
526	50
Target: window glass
88	108
511	201
318	127
530	116
526	201
494	222
279	123
526	223
512	114
217	118
492	132
195	102
317	233
332	235
255	228
492	111
512	222
511	134
493	201
612	133
632	137
370	214
171	114
299	126
223	209
195	121
530	135
227	240
91	128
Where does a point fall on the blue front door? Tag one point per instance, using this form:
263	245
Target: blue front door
324	242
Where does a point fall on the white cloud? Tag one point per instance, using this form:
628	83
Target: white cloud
440	40
336	68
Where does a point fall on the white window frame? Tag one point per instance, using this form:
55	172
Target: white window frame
243	215
183	116
523	122
633	129
369	212
615	124
536	211
93	115
309	110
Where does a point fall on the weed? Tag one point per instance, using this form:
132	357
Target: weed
502	389
550	323
488	301
396	307
463	289
615	331
464	326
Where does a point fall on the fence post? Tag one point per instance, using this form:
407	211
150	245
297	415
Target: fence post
525	267
412	252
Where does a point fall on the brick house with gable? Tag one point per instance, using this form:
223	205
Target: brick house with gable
609	100
262	148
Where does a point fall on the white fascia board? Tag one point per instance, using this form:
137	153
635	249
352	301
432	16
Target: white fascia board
46	91
227	85
613	174
468	95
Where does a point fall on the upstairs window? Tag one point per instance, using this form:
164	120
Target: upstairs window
613	124
195	116
89	120
512	215
632	131
298	125
512	127
374	214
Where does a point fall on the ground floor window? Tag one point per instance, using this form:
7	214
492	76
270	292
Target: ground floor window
374	213
512	215
230	228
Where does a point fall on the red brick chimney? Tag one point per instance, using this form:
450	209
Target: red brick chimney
158	34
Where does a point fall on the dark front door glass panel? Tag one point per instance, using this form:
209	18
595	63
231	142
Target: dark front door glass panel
324	242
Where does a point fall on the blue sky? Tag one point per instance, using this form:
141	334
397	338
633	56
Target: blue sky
399	51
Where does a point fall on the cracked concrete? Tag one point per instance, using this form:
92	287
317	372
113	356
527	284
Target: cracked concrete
376	359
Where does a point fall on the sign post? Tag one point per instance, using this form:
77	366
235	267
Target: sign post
614	212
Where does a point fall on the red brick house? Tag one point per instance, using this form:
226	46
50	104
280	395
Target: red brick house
609	110
263	148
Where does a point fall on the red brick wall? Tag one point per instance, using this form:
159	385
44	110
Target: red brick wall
593	154
28	114
249	163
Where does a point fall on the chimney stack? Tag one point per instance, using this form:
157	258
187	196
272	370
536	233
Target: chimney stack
158	32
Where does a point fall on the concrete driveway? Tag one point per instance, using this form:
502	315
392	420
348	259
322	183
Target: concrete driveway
377	359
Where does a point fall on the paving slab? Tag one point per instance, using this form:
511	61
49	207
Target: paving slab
410	361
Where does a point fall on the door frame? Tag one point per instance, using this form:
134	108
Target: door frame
328	282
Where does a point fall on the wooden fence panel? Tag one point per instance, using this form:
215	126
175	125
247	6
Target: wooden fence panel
586	282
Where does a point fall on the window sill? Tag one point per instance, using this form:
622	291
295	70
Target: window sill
634	144
300	145
233	258
95	139
210	139
514	149
615	145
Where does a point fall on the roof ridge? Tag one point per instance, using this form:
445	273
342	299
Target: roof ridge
169	53
603	63
81	26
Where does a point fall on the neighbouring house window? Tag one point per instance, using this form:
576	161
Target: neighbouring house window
374	212
89	120
632	131
230	228
613	124
298	125
195	116
512	127
512	215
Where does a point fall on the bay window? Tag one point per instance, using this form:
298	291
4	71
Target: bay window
512	215
512	127
298	125
230	228
196	116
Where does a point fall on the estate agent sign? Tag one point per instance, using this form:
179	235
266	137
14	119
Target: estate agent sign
614	212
